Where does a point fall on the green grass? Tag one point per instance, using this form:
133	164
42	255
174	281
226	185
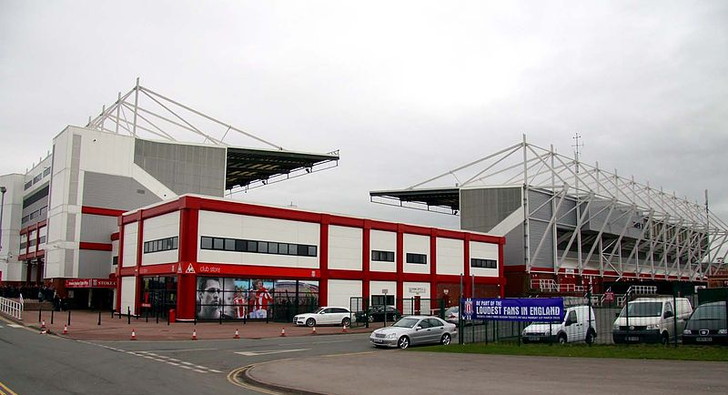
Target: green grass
642	351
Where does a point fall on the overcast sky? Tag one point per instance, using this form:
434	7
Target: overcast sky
405	90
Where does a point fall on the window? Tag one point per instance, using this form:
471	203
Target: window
484	263
166	244
383	256
255	246
417	258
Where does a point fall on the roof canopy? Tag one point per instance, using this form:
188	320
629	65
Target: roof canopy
250	167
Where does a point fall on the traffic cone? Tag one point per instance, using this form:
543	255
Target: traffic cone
194	334
313	330
283	332
65	329
133	335
42	325
343	328
237	335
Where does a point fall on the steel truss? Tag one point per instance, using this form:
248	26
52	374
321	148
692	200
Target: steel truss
141	111
676	237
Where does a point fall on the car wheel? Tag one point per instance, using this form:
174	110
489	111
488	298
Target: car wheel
346	321
665	338
310	322
590	337
403	342
445	339
562	339
524	341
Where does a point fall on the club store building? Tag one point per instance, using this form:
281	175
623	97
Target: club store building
210	258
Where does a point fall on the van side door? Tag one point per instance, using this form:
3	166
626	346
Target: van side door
573	325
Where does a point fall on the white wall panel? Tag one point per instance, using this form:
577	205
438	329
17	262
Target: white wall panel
383	241
161	227
128	294
412	290
480	250
416	244
345	248
341	292
130	244
258	228
450	256
376	288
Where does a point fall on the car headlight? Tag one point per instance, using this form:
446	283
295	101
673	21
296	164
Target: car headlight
653	327
391	335
687	332
723	331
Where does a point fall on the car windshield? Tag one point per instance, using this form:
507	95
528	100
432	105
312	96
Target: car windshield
452	310
406	322
642	309
714	312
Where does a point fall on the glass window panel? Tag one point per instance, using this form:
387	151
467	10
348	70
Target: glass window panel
206	243
229	244
218	243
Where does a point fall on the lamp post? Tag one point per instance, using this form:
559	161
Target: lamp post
2	210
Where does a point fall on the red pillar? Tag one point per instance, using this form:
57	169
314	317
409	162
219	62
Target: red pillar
366	262
400	267
187	279
324	260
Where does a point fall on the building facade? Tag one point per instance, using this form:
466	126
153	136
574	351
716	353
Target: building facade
213	258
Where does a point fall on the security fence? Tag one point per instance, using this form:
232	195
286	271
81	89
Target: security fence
638	316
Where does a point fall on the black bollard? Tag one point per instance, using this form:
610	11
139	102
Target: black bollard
39	314
146	315
112	313
51	316
128	315
99	318
69	318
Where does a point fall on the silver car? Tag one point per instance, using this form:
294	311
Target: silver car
412	330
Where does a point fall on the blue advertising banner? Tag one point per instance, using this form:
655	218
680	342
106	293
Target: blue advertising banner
531	309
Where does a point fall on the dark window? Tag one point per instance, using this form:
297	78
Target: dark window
417	258
254	246
115	260
382	256
206	243
484	263
229	244
166	244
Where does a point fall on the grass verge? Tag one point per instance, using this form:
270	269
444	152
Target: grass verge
641	351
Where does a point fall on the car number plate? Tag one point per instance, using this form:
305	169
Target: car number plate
378	341
534	338
704	339
633	338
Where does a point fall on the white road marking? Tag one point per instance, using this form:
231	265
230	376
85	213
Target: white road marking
15	326
160	358
268	352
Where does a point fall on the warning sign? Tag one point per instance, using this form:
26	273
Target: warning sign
179	268
190	269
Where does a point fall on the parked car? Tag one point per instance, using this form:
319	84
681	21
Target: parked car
651	320
579	324
376	314
414	330
327	315
452	315
707	325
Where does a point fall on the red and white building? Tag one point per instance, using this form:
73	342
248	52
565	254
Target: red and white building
167	251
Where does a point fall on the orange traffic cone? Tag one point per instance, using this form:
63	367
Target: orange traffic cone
133	335
283	332
313	330
194	334
237	335
65	329
343	328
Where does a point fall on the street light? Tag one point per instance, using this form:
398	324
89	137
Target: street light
2	209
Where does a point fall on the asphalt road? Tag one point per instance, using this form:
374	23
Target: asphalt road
31	363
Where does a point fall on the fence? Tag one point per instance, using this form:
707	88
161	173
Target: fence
11	308
638	316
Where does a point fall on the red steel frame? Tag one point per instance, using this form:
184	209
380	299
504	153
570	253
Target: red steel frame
188	268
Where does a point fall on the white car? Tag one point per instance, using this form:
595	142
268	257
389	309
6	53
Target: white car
326	315
414	329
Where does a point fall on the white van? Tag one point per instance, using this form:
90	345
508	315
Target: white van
575	328
651	320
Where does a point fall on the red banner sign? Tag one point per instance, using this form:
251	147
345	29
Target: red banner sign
90	283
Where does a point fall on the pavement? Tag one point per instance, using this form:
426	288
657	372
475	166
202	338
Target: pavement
94	325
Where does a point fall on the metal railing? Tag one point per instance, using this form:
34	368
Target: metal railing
11	308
